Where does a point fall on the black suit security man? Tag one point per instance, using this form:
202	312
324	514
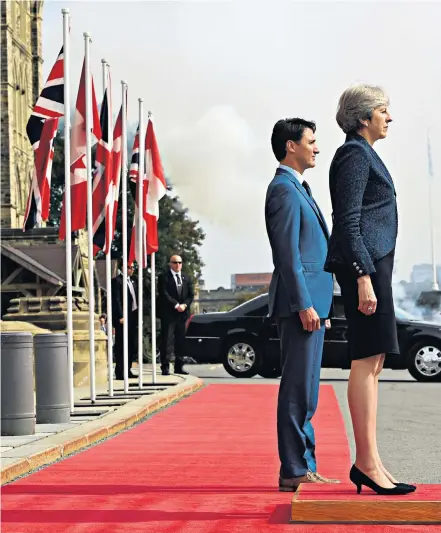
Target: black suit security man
118	319
175	295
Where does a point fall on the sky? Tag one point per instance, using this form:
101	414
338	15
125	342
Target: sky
218	75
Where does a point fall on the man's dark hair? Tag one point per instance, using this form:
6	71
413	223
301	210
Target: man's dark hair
288	129
120	263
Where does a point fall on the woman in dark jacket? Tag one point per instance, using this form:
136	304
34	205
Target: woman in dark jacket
361	255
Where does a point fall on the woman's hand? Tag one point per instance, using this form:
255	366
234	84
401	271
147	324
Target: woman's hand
367	301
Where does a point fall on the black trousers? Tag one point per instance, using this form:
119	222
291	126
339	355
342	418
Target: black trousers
172	335
132	341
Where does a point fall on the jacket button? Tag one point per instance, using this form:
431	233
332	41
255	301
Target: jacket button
354	264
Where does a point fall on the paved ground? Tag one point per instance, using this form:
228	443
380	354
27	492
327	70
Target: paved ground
409	422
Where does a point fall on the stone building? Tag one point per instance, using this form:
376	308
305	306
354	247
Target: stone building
21	82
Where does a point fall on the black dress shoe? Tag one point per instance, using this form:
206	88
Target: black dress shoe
181	372
166	372
359	479
132	375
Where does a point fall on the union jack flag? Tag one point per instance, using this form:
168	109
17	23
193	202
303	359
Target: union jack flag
103	193
41	130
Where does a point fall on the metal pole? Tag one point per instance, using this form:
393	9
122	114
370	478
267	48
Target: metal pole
108	256
67	205
140	235
435	286
104	73
124	234
153	303
88	86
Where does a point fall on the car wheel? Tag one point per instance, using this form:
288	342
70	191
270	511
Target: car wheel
424	361
270	370
241	357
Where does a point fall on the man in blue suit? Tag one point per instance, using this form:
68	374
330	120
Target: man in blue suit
300	297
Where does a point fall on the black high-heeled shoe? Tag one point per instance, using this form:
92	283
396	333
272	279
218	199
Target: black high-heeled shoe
412	488
359	479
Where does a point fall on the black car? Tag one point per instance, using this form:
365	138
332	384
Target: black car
246	342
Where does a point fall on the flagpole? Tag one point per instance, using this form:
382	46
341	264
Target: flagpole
140	235
435	286
88	89
109	223
124	234
104	72
67	208
153	305
153	299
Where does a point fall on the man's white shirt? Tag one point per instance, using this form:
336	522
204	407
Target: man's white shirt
175	277
132	292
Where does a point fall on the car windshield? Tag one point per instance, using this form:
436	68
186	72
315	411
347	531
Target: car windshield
255	305
403	315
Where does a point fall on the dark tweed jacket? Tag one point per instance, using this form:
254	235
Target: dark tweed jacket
365	219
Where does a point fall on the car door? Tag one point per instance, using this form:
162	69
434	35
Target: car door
335	349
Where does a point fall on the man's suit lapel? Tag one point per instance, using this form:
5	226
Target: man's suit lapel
322	220
308	198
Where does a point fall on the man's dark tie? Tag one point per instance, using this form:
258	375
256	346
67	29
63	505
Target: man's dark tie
179	284
307	188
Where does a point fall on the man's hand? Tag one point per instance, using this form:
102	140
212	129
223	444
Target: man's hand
182	308
310	319
121	320
367	301
327	324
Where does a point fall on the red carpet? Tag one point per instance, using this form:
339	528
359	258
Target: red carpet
206	465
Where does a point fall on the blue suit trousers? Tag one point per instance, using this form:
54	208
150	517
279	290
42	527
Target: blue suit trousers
301	354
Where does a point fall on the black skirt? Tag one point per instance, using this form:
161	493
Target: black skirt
375	334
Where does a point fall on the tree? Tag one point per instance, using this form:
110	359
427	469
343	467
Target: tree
57	182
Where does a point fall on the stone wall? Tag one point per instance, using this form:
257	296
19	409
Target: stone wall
21	80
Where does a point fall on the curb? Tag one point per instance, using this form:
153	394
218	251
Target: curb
76	439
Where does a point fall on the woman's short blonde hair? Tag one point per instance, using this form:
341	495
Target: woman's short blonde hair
357	103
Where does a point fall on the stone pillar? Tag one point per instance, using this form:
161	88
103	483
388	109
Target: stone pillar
50	313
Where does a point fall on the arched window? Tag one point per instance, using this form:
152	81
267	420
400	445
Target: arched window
18	191
16	102
24	20
24	93
19	117
27	187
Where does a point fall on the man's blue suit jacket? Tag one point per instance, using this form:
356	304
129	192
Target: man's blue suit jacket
298	235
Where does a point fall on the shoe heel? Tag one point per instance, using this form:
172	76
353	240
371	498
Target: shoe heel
288	489
359	489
